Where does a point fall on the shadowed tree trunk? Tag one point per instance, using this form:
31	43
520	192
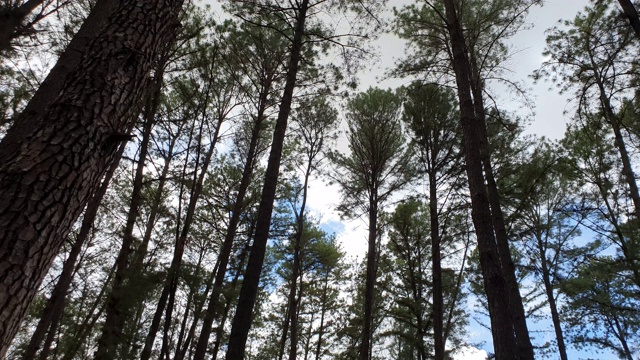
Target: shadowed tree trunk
632	14
54	158
54	309
494	282
249	291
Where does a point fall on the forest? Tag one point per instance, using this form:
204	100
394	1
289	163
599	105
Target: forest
159	161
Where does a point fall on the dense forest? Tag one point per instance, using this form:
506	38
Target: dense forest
158	157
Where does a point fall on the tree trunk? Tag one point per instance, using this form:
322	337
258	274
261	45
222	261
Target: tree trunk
494	282
548	287
523	342
323	312
369	292
438	302
52	312
297	264
249	291
167	297
232	227
632	14
55	158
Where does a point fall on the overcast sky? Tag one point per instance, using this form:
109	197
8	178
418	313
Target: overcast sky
547	118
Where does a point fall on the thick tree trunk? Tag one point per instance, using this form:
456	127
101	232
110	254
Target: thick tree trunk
52	312
523	341
249	291
55	158
369	290
632	14
494	282
232	227
438	302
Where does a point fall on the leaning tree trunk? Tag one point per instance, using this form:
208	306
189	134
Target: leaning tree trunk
52	312
249	291
632	14
494	282
55	158
232	227
523	341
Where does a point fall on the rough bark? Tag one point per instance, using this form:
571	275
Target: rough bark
54	158
494	281
52	312
249	291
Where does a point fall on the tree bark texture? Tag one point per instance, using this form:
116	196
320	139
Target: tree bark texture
49	170
494	282
249	290
55	305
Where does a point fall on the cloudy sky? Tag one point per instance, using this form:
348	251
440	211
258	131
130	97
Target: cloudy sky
547	118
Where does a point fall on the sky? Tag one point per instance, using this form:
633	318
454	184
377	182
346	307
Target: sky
547	117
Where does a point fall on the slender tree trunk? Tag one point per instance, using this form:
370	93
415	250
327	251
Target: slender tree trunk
181	350
632	14
494	282
456	292
323	313
232	288
55	158
249	291
232	227
369	292
523	341
52	312
89	322
438	302
548	287
117	312
167	297
297	264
